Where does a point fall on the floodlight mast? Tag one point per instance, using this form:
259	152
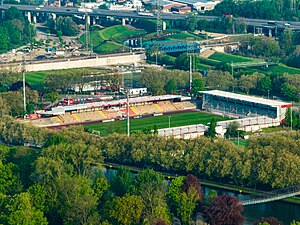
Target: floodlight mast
24	85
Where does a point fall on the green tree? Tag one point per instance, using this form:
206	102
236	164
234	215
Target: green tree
286	41
290	117
128	209
211	132
4	107
247	82
191	23
170	87
22	211
77	200
122	181
197	85
4	40
52	96
264	84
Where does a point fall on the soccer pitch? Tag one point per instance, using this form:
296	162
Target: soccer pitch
178	119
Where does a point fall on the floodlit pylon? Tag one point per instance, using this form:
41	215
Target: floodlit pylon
158	19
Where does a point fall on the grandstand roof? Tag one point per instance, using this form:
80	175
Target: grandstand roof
269	102
61	109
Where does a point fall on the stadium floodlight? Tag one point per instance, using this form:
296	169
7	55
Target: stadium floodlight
24	93
128	114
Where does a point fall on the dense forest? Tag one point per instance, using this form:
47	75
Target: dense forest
62	181
14	30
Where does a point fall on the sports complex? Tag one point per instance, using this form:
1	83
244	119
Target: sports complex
174	115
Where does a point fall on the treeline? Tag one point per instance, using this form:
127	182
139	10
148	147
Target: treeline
63	183
265	9
219	159
14	30
63	26
11	94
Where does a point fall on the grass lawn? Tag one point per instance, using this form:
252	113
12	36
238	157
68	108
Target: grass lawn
227	58
109	40
35	79
241	142
183	35
281	68
179	119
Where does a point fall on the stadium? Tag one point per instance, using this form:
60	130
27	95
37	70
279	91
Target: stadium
110	110
252	113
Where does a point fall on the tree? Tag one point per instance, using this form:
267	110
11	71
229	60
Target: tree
4	40
182	62
289	119
247	82
150	185
128	209
4	107
122	181
264	84
211	132
269	220
170	87
225	210
22	211
286	41
77	200
219	80
52	96
191	23
232	129
197	85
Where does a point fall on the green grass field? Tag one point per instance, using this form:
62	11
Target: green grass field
109	40
227	58
35	79
180	119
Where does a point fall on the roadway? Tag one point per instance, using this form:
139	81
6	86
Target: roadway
133	14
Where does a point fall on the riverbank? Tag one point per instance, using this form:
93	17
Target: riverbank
225	187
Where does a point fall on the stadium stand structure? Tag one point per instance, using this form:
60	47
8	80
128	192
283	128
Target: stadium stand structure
241	106
112	109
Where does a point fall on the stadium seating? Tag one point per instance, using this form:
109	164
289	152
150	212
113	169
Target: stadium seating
167	106
44	122
146	109
68	118
184	105
232	109
90	116
111	114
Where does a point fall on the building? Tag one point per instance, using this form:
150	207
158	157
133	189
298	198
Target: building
181	9
242	106
200	5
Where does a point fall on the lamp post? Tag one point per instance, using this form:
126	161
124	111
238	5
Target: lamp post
238	137
268	94
170	121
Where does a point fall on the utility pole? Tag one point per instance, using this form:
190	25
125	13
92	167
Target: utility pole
24	86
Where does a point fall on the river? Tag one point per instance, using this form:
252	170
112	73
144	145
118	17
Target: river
284	212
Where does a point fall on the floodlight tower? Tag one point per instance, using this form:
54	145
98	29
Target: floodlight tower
158	18
87	33
190	48
24	86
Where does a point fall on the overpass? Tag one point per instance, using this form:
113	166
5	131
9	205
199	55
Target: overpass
121	14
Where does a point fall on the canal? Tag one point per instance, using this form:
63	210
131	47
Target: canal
284	212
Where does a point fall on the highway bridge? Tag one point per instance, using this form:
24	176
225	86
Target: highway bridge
257	23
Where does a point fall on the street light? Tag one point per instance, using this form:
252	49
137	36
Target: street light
238	137
268	94
170	121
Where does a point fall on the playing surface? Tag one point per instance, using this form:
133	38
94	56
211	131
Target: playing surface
178	119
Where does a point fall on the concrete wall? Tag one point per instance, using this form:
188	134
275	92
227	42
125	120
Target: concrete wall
96	62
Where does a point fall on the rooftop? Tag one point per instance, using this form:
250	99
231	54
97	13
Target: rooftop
248	98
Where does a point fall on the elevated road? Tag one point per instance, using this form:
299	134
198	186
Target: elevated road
132	14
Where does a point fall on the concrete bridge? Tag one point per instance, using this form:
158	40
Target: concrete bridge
257	25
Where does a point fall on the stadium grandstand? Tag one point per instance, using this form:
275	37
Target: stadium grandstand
242	106
110	110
